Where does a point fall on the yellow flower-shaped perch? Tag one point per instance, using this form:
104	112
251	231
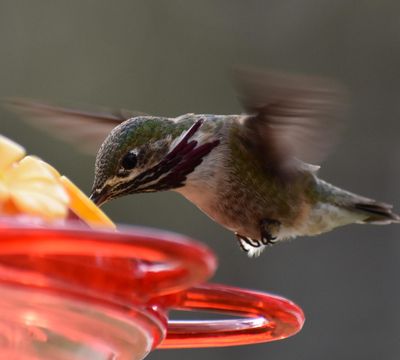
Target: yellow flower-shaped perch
32	187
84	208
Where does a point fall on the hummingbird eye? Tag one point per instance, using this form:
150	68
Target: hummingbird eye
129	161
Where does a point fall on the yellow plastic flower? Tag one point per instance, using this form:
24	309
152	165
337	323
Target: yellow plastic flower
84	208
30	186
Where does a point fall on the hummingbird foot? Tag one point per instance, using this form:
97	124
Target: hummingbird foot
245	242
269	229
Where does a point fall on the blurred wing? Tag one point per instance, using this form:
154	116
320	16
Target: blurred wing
86	130
290	118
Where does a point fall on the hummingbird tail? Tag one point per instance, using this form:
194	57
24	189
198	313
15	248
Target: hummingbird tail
364	210
376	212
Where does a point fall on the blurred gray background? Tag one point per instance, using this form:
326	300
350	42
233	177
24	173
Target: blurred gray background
173	57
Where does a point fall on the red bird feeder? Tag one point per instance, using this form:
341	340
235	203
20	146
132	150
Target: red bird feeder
75	293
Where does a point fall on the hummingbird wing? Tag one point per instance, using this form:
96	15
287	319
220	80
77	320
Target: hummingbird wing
291	118
85	129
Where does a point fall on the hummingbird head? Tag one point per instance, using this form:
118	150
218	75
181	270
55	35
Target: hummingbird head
147	154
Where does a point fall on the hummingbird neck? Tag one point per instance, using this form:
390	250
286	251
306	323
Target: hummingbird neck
171	172
183	159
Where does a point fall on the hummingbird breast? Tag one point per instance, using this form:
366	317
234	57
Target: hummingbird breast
232	188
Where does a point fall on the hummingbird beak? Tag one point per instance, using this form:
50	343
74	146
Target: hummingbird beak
100	196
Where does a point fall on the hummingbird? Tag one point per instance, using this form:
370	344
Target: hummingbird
254	173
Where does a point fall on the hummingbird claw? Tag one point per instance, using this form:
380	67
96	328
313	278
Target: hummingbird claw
241	243
245	242
268	227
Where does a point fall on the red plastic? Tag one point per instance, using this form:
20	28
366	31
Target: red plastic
127	281
266	318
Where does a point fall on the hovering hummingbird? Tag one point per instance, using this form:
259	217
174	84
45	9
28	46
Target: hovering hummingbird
248	172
